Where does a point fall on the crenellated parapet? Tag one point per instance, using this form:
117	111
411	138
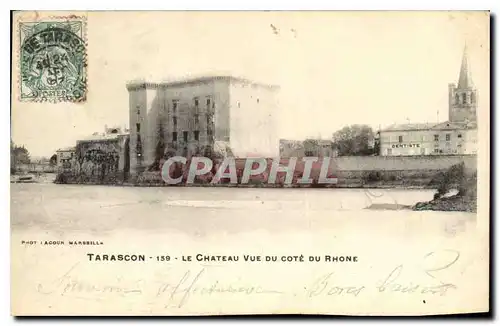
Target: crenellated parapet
143	85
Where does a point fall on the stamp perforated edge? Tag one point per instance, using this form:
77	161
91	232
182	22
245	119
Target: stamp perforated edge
34	16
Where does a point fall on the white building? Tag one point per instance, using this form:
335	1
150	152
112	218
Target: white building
457	136
64	156
446	138
232	115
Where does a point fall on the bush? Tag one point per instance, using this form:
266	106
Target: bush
372	176
456	177
61	178
437	179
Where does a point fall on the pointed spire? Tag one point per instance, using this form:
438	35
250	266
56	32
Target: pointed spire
465	79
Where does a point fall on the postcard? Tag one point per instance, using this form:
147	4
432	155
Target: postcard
182	163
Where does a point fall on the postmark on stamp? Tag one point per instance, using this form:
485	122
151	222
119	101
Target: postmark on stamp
53	61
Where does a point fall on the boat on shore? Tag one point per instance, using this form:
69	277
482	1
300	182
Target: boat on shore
23	178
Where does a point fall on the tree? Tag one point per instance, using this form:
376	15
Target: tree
18	155
355	140
311	147
376	145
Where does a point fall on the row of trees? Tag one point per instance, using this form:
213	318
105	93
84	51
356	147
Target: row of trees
355	140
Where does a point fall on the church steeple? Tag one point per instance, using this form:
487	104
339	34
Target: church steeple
463	97
465	79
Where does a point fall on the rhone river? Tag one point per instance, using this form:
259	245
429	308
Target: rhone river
204	211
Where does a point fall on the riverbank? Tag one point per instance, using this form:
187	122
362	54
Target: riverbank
449	204
458	178
152	179
264	186
454	203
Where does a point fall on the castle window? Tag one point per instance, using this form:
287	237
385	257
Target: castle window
196	102
175	121
464	98
196	119
138	127
457	99
138	111
139	146
448	137
436	150
185	135
436	137
400	139
389	151
472	98
175	103
208	102
174	136
196	135
459	136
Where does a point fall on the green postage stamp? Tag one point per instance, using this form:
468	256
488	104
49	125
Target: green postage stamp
53	60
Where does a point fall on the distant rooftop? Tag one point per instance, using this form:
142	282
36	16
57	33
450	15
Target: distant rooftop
102	136
291	141
66	149
426	126
193	79
410	126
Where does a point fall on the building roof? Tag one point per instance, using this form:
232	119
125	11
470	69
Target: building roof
465	78
136	84
446	125
409	127
291	141
101	136
66	149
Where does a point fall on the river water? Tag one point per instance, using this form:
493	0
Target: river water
205	211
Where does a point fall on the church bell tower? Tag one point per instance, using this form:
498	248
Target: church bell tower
463	97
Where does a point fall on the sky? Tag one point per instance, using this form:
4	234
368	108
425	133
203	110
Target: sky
334	68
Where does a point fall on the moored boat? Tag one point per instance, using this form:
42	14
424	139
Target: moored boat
25	178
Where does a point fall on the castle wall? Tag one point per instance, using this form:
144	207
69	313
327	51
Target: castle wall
196	114
253	120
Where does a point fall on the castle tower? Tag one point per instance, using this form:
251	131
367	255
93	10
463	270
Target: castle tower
142	117
463	97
